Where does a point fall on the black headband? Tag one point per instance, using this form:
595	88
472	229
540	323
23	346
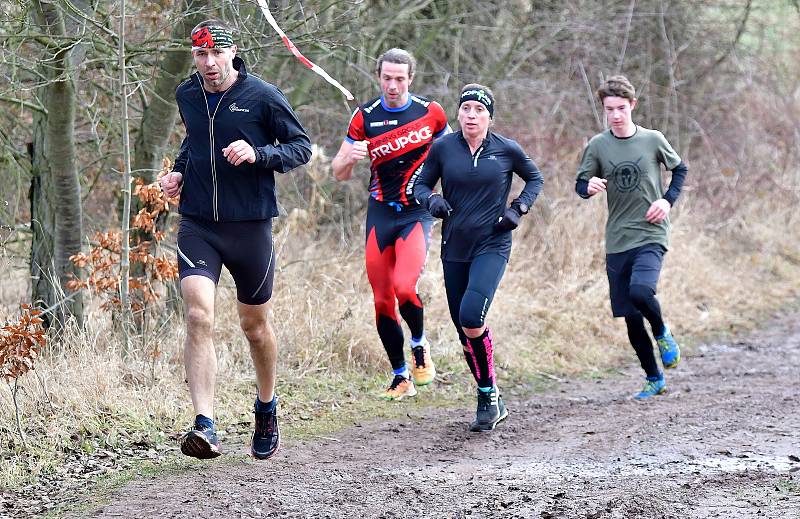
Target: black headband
480	95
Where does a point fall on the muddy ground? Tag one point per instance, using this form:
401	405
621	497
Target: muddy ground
724	442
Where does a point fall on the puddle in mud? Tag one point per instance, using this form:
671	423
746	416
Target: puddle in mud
552	471
698	466
734	464
719	348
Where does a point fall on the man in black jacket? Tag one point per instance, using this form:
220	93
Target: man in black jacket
239	131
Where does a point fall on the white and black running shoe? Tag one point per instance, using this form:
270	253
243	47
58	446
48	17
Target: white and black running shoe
491	411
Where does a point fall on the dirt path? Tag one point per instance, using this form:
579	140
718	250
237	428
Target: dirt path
723	443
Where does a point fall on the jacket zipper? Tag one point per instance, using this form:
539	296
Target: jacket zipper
211	139
475	157
474	166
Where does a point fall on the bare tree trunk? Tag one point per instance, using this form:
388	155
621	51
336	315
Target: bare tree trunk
124	264
44	292
57	210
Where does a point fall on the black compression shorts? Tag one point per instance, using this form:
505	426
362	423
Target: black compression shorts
245	248
637	266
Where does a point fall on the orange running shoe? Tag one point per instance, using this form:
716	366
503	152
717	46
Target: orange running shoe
422	368
400	388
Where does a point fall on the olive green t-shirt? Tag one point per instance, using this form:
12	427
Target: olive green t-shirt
632	166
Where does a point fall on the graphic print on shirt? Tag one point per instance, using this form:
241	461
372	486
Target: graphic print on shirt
627	175
399	140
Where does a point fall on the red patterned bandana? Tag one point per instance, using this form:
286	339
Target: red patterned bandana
211	37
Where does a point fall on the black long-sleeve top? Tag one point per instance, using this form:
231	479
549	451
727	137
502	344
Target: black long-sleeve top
477	187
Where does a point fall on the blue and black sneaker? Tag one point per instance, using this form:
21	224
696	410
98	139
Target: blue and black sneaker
669	349
267	436
201	442
652	386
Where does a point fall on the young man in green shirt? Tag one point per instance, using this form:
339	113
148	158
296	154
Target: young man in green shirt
625	163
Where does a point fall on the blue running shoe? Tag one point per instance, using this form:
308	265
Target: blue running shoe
652	386
267	436
669	349
201	442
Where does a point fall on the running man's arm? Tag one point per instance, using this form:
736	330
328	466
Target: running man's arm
294	146
183	154
672	161
353	149
676	184
172	182
345	160
442	126
582	188
444	132
588	182
660	209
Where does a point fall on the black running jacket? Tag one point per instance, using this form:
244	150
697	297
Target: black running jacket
477	187
251	110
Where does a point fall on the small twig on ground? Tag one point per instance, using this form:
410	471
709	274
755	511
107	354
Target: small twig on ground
548	375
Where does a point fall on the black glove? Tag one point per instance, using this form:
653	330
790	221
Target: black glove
438	206
510	219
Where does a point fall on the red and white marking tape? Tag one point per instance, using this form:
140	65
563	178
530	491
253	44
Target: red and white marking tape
294	50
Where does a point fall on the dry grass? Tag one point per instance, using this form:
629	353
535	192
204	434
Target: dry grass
551	315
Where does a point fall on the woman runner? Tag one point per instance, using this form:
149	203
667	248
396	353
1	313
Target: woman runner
476	167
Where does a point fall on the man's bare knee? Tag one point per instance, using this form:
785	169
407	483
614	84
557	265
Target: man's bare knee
254	329
199	322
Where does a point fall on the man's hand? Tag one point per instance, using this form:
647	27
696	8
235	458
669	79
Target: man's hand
596	185
171	183
238	152
438	206
358	151
346	158
658	211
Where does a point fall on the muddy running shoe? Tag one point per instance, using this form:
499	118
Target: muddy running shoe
201	442
669	349
652	386
400	388
491	411
267	436
423	369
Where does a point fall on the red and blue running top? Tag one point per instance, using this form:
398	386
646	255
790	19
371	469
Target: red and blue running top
399	140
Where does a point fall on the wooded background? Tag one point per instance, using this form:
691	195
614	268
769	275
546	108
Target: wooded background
718	77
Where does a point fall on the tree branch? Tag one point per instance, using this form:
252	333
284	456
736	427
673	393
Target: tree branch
621	59
16	413
590	95
729	49
27	104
